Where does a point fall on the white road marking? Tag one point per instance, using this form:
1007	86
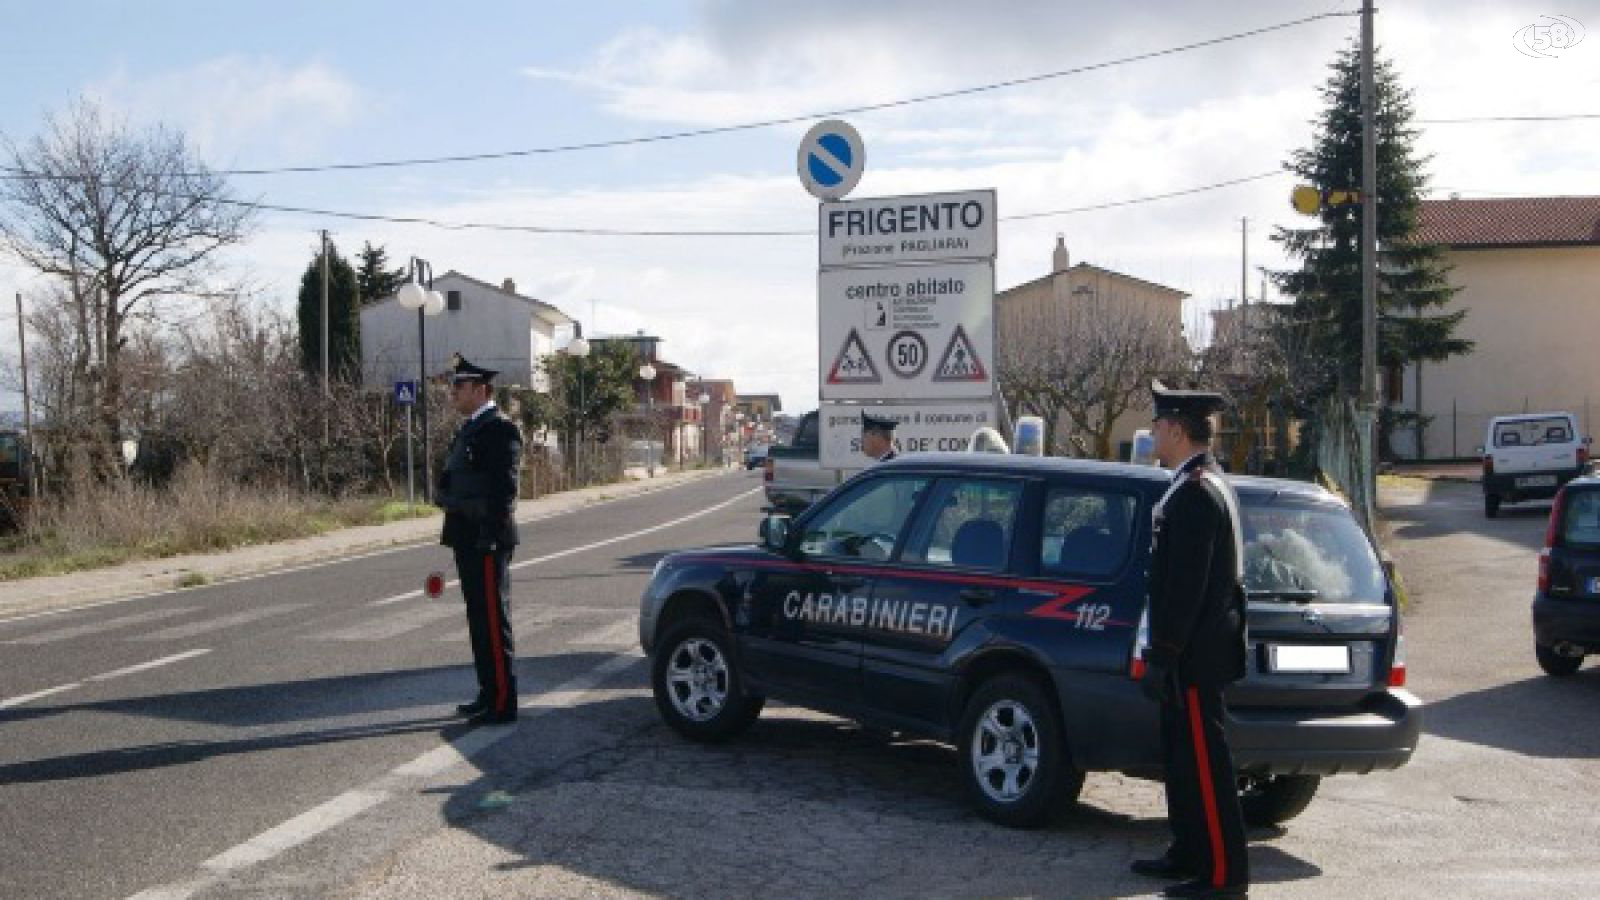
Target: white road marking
394	625
406	777
178	632
624	632
26	698
330	562
106	676
100	625
147	666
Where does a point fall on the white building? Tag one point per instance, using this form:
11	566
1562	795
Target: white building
494	327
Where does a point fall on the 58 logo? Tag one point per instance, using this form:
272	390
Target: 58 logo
1556	34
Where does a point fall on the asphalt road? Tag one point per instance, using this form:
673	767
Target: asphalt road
311	753
266	697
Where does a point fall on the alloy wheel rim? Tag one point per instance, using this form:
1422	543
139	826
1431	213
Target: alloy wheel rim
1006	747
697	680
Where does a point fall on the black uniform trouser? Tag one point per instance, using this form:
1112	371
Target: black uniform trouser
486	588
1202	790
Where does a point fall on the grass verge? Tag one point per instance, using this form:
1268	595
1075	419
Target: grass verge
200	512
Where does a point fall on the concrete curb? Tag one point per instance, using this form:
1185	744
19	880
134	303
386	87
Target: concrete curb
52	593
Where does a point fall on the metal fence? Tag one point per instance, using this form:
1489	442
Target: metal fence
1343	448
1458	432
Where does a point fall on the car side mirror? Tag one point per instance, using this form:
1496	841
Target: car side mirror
774	532
1587	441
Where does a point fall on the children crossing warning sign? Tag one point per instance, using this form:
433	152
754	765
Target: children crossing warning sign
853	365
885	332
960	361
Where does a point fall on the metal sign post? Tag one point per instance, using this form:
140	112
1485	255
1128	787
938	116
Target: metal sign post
405	394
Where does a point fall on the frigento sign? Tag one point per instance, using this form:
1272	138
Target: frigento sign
928	427
921	332
918	228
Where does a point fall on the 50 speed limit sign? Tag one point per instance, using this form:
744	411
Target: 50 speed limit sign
908	353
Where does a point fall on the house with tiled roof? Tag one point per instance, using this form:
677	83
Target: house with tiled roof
1528	273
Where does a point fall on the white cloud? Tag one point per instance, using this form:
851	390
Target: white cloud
234	105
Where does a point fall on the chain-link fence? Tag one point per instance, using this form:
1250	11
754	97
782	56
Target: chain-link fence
1343	448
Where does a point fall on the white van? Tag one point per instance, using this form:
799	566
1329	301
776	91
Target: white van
1529	457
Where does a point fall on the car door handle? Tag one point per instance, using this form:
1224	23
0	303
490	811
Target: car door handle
977	596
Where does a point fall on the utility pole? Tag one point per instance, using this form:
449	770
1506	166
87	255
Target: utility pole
326	393
1369	251
1244	270
26	455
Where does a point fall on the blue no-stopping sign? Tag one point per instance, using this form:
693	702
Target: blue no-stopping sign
830	159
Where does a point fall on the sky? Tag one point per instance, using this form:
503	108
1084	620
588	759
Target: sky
257	85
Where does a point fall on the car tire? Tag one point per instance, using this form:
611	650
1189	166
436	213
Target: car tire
1491	505
698	685
1554	663
1013	753
1274	799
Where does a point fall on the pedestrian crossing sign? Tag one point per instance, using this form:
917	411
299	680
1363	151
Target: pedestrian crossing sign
405	393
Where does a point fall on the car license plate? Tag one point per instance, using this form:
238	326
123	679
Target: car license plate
1528	481
1309	659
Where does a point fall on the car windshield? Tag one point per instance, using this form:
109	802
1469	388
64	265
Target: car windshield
1580	518
1308	551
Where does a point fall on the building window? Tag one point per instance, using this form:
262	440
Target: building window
452	301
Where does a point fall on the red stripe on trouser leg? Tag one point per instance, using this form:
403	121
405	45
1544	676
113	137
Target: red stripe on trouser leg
491	599
1208	794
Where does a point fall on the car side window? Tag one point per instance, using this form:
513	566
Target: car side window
1582	518
865	523
1087	531
968	523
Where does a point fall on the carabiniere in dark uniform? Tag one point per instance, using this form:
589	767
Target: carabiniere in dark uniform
1197	648
478	491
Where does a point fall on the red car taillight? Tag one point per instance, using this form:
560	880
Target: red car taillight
766	470
1550	533
1488	465
1583	457
1397	669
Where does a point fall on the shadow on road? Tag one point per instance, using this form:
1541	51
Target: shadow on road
1540	716
344	708
796	806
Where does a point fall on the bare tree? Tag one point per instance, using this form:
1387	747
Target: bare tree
124	220
1087	362
1263	359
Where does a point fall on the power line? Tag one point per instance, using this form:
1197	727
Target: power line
1473	120
630	232
770	123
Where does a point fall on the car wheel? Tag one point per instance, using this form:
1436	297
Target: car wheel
1554	663
1268	800
698	687
1491	505
1013	753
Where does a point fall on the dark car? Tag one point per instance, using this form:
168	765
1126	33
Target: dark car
997	603
1566	606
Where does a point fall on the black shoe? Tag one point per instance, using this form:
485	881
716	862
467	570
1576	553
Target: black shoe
1163	866
493	718
1202	887
473	708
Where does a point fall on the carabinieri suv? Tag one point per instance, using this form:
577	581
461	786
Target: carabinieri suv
997	603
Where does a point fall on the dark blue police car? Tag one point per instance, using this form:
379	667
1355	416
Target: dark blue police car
997	603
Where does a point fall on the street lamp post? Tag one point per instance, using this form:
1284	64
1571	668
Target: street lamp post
647	372
578	349
427	302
